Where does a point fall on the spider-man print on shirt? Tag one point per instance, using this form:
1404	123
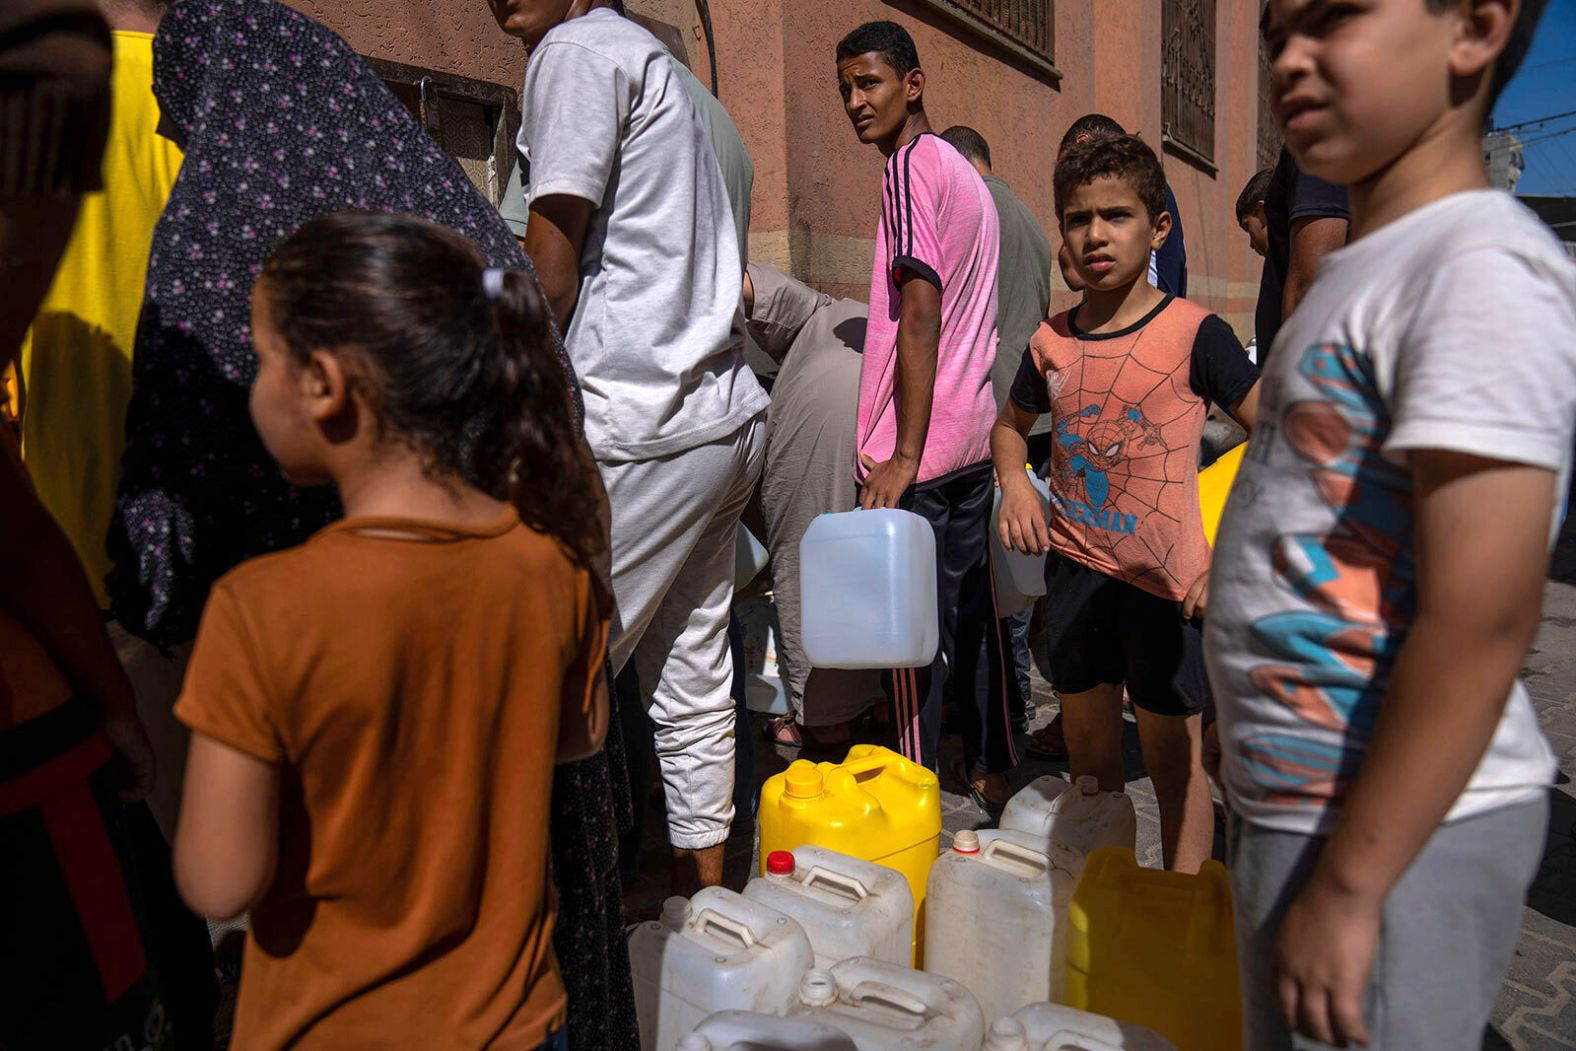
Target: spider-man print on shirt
1102	449
1356	581
1128	409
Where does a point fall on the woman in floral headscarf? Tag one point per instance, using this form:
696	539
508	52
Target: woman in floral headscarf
282	122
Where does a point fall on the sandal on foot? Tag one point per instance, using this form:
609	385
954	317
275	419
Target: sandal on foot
782	731
1047	744
960	773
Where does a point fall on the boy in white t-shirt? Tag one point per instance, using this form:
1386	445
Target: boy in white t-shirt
1379	572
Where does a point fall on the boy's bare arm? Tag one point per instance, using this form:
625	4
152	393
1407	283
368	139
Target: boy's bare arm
1022	524
1246	411
555	234
1311	240
1479	587
918	345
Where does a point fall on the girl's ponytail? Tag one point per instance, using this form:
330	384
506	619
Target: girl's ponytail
550	476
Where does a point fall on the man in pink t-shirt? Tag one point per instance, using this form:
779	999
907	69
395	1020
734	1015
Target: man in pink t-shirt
925	401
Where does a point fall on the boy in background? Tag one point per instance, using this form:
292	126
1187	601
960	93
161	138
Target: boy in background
925	404
1384	551
1127	376
1250	210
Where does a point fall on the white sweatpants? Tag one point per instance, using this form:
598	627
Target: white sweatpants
674	522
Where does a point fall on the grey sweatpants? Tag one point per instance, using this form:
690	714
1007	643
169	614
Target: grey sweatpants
674	523
1449	930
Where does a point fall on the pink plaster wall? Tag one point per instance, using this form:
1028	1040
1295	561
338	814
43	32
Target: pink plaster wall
452	36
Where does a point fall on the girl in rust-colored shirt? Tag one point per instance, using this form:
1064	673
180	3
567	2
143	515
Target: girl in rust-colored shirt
376	713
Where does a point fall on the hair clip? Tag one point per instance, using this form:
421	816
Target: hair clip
492	283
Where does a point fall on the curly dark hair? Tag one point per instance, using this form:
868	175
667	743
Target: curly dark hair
888	39
470	383
1124	156
1087	127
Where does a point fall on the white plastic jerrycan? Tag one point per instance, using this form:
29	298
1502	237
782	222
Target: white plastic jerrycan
715	952
1020	578
748	1031
1079	817
749	557
846	906
996	917
867	587
885	1007
1054	1027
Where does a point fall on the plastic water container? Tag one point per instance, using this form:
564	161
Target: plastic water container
885	1007
747	1031
1214	485
1056	1027
867	587
1020	578
718	951
1156	948
875	806
847	907
1079	817
749	557
998	918
764	689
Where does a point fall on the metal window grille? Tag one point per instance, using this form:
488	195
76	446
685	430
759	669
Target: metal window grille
1269	134
1022	27
1187	78
473	120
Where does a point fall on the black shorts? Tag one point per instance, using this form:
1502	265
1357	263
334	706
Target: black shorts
1100	630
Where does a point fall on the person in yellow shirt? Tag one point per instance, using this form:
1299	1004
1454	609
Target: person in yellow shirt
76	359
75	363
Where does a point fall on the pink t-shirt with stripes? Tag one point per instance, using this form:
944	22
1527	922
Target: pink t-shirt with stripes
938	224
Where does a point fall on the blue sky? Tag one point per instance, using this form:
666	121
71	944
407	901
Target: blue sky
1546	85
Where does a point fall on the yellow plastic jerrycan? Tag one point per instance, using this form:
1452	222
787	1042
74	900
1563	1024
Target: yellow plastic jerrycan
1157	949
1214	484
875	805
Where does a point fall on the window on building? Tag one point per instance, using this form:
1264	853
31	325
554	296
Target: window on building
1269	134
1023	28
473	120
1187	79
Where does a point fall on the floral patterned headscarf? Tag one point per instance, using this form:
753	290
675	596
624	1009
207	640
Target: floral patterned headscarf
282	123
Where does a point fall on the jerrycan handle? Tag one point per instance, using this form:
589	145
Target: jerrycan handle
710	922
1017	854
847	886
891	995
869	765
1068	1040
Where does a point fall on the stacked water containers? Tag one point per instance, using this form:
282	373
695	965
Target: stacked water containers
998	917
846	907
885	1007
717	951
1055	1027
1078	817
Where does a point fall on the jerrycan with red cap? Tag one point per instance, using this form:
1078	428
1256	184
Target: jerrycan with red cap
874	806
847	907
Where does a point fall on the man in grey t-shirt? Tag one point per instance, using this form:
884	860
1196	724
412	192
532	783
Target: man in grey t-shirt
631	231
1023	298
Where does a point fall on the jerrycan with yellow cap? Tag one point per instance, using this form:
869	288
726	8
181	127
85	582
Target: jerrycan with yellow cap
875	805
1157	949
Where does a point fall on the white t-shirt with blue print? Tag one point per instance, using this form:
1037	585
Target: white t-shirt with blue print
1451	328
